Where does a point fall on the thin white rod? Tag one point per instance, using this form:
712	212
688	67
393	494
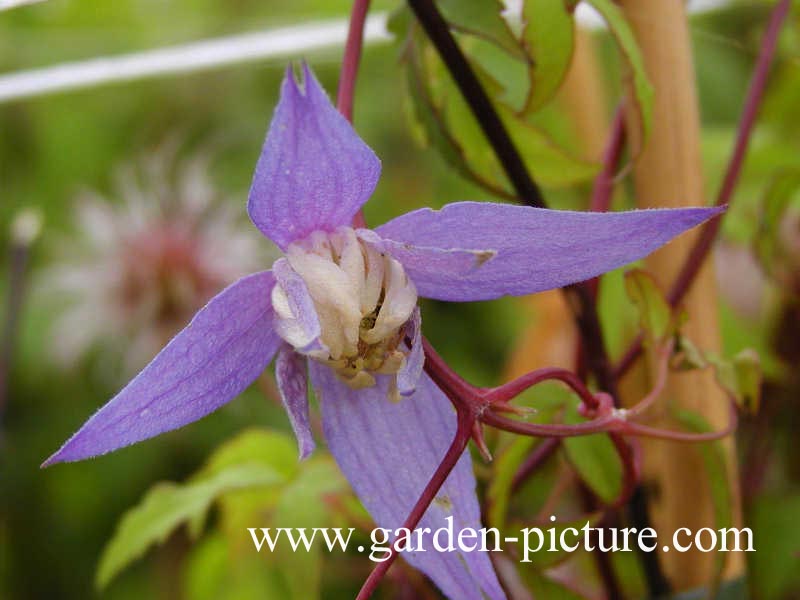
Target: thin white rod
220	52
9	4
197	56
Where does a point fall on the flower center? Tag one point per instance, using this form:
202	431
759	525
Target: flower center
362	298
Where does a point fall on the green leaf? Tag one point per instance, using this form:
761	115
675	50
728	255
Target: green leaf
259	446
716	471
776	256
302	504
166	506
545	558
655	313
732	589
449	126
544	587
273	449
548	37
629	49
595	459
687	356
214	569
504	468
481	19
740	377
776	530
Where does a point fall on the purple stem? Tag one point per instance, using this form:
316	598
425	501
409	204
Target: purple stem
457	447
351	59
603	187
536	459
347	79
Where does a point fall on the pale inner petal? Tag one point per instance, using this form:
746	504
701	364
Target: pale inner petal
362	297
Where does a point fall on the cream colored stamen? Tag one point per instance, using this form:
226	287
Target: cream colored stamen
362	297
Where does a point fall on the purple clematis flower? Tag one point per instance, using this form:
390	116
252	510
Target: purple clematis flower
342	305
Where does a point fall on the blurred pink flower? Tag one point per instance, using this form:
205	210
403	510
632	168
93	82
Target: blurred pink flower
140	266
741	280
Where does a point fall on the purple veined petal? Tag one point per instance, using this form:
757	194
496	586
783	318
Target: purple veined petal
388	452
226	346
537	249
290	374
409	375
457	260
314	171
303	329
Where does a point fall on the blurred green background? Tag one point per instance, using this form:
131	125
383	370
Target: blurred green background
54	523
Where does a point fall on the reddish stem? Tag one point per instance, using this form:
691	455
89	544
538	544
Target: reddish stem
347	78
507	391
630	469
682	436
457	447
603	187
536	459
702	246
351	58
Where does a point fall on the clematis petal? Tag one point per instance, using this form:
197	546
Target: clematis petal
388	451
290	373
536	249
456	260
314	172
409	374
297	322
225	347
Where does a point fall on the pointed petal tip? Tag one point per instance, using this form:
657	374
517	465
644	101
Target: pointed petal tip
314	171
204	366
306	450
50	461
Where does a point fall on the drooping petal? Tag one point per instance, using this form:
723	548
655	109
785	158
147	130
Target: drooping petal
225	347
290	374
296	320
409	374
536	249
314	172
388	451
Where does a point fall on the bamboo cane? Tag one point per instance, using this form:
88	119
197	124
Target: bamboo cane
668	174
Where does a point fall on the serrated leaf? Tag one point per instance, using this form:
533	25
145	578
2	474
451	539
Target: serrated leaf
595	459
741	378
482	19
168	505
629	49
450	127
548	37
273	449
716	468
655	314
302	504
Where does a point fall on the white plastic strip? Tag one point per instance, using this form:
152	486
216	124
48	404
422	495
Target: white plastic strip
8	4
197	56
220	52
